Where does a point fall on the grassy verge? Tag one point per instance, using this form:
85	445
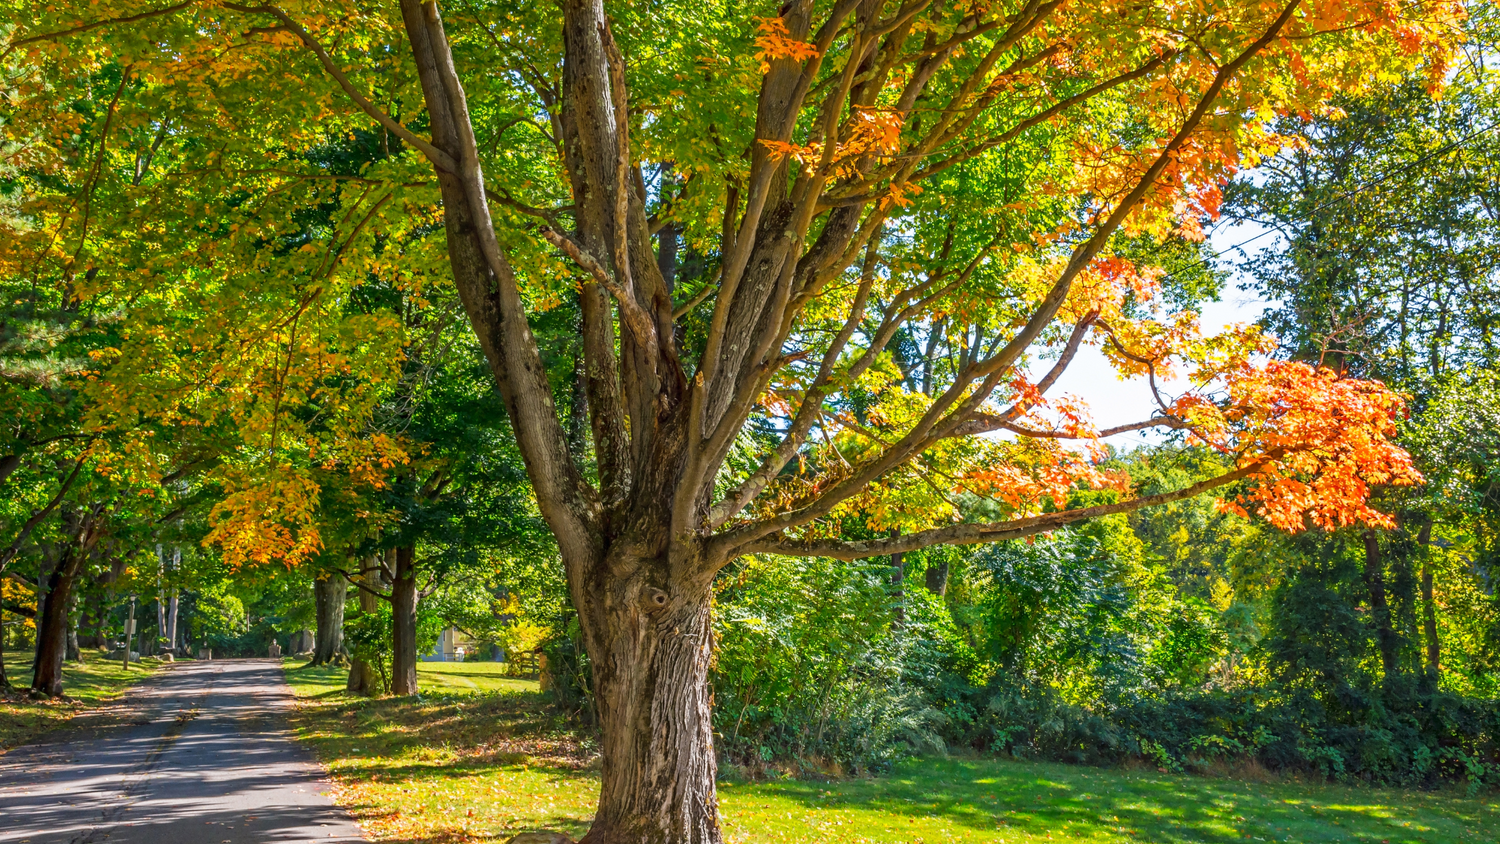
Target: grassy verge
473	765
468	677
85	685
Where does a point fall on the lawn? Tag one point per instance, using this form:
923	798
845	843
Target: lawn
86	685
462	677
459	765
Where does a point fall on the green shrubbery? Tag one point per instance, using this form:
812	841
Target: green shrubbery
1081	648
367	635
811	664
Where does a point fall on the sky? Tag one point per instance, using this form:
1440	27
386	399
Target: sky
1116	402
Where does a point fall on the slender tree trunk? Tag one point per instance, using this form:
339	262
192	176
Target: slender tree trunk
73	652
404	623
4	679
937	578
161	619
43	570
172	621
1429	604
52	625
90	622
329	595
1385	635
363	677
651	684
898	590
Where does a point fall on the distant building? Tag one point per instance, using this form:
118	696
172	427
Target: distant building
451	646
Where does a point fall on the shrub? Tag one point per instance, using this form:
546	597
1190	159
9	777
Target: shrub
812	664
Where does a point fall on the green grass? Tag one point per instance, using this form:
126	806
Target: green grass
433	678
459	767
86	685
464	677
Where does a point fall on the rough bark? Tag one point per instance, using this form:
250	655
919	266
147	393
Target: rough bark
404	623
1380	611
364	679
329	596
658	780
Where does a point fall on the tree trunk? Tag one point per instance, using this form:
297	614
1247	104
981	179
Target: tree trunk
651	685
1380	612
1429	604
898	590
43	571
52	626
161	620
4	679
329	595
172	622
92	621
937	578
363	677
73	653
404	623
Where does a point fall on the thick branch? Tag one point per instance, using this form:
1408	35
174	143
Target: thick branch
974	534
36	518
631	313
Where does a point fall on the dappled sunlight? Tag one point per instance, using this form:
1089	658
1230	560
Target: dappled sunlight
481	767
87	684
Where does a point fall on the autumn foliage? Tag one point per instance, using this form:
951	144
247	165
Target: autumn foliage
823	266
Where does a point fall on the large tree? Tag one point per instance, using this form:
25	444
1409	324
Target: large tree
755	209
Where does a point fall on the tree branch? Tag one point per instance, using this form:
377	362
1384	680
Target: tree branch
938	422
631	313
63	33
974	534
435	155
36	518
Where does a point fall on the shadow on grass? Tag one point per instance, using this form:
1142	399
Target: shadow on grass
1042	799
446	740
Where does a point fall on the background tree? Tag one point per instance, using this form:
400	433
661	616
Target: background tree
1385	267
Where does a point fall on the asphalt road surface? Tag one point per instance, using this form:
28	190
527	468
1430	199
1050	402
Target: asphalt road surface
204	758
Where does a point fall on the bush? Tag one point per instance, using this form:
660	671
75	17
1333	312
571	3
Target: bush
812	665
367	635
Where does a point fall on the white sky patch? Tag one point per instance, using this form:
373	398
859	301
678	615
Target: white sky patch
1113	401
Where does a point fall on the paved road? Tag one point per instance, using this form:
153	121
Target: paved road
206	758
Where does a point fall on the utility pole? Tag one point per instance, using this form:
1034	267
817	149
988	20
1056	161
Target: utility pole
129	634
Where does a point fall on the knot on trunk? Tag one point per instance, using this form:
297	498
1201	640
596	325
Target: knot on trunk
656	600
